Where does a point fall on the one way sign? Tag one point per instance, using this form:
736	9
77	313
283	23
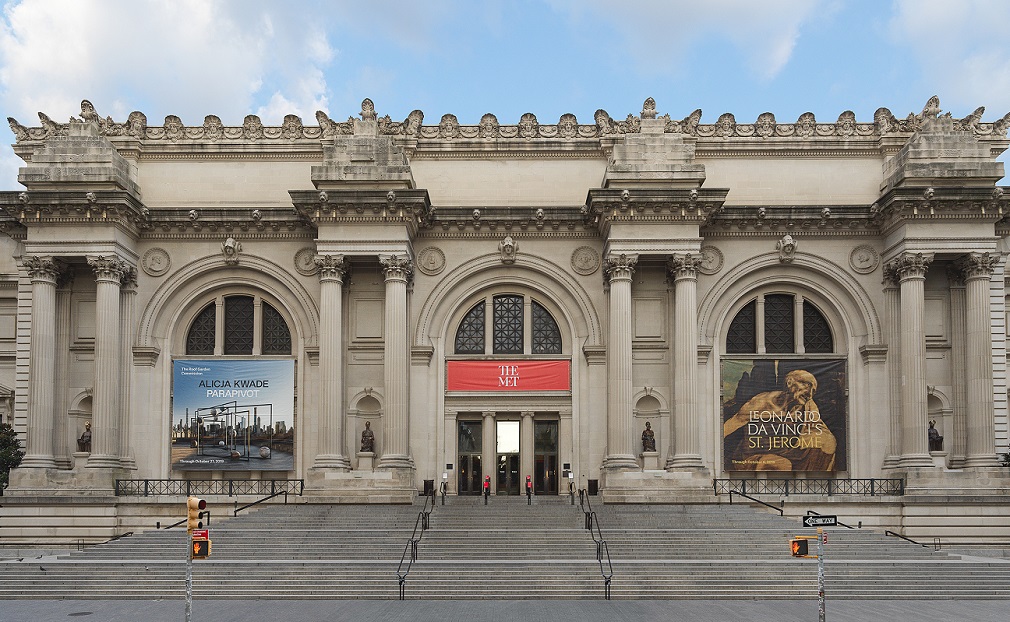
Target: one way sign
824	520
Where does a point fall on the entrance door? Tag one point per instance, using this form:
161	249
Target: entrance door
470	472
508	457
545	457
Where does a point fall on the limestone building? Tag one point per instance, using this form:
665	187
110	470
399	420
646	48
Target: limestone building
792	300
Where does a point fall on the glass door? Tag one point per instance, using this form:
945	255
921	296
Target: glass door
508	457
545	457
470	472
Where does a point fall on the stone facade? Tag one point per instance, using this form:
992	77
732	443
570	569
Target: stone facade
627	250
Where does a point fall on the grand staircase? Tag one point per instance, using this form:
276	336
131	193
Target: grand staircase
505	550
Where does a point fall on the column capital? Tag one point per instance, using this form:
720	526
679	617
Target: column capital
488	414
43	268
910	265
619	266
332	267
129	279
976	265
955	275
683	266
397	267
108	267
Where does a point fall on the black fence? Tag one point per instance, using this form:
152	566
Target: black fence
829	487
187	487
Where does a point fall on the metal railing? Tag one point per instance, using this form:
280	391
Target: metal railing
750	498
421	523
187	487
602	550
826	486
936	541
259	501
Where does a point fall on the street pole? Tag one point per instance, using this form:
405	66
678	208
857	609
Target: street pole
189	582
820	574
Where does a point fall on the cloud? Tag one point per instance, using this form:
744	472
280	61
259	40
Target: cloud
963	53
663	32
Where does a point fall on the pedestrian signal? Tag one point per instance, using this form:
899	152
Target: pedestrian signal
201	549
799	547
195	507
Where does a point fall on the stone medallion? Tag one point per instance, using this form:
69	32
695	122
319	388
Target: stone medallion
304	263
711	260
156	262
585	260
431	261
864	259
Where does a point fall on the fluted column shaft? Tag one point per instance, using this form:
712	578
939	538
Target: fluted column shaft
105	418
396	453
41	414
526	447
330	448
127	304
685	440
978	268
620	447
911	270
61	436
892	310
955	440
489	449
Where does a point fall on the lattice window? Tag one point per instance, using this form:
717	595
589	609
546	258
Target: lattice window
276	336
779	326
238	324
816	331
546	335
200	339
741	338
508	324
470	334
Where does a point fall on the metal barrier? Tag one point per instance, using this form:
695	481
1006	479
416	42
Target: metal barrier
421	523
602	550
188	487
826	486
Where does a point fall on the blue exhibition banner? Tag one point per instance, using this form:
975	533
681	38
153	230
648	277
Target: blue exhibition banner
233	415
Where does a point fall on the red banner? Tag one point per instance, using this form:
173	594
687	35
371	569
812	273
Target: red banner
509	376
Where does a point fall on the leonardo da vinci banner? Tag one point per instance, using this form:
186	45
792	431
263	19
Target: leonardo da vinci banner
233	415
783	415
509	376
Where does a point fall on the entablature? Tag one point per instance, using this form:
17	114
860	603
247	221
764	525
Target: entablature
409	207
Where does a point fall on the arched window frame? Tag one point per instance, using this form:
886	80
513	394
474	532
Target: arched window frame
800	299
217	302
487	302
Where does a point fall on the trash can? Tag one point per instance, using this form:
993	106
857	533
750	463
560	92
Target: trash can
429	487
594	486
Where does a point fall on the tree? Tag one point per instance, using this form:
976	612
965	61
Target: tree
10	453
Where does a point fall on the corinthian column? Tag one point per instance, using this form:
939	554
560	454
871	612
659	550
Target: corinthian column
685	442
105	425
42	371
978	268
396	451
911	271
620	447
956	439
892	311
332	270
127	304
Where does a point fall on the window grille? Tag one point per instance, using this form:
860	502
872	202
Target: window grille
200	339
508	324
816	331
276	336
779	326
546	335
238	325
741	338
470	334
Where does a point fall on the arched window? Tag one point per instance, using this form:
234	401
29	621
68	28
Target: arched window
520	325
242	316
779	324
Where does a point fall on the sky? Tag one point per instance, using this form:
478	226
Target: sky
192	58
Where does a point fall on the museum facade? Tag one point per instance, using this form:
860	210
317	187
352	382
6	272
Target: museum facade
637	305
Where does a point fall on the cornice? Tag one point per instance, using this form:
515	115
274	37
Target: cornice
73	208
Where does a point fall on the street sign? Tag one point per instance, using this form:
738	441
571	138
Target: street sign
824	520
201	534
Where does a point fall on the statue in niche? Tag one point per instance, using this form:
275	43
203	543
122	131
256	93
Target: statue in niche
84	443
648	438
935	440
368	438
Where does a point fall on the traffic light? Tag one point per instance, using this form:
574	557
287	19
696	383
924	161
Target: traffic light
195	507
799	547
201	549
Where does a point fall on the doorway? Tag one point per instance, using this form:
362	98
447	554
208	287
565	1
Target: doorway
469	458
508	457
545	457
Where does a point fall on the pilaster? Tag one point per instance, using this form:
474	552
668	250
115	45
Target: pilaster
127	308
892	311
956	439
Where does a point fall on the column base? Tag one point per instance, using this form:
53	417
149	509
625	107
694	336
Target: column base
396	462
891	462
331	461
38	461
129	463
983	461
103	461
621	462
915	461
685	462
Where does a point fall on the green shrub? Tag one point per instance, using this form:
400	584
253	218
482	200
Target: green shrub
10	453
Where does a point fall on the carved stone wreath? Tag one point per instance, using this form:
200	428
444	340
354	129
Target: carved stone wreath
156	262
431	261
304	263
585	260
864	259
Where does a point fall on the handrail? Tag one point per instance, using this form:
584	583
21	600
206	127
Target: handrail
443	488
870	487
202	487
745	496
812	513
601	544
898	535
422	521
259	501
